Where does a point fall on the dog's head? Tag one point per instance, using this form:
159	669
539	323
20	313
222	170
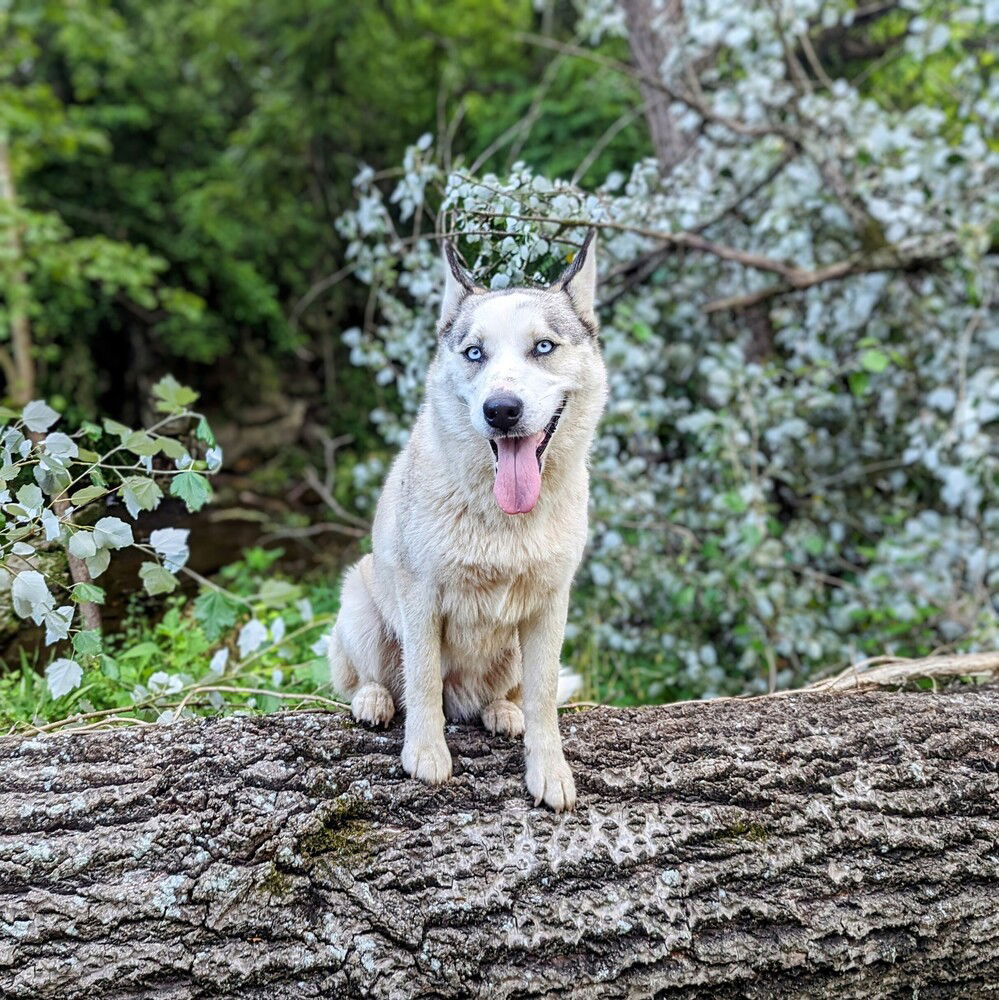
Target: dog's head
522	366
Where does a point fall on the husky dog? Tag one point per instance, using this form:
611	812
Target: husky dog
460	609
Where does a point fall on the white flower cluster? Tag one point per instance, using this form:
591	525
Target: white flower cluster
781	484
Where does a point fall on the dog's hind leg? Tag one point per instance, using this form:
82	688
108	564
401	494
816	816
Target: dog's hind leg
503	717
361	655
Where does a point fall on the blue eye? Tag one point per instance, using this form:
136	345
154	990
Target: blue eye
473	353
544	347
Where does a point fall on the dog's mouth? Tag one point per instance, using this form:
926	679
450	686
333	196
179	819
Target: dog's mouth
518	467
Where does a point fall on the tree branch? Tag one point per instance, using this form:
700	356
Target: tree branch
899	257
808	846
655	83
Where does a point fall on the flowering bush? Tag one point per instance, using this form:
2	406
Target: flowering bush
799	461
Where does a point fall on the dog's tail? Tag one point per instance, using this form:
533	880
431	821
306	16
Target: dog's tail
569	683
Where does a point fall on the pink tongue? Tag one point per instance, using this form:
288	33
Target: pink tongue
518	478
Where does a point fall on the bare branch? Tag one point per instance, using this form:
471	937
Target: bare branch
900	257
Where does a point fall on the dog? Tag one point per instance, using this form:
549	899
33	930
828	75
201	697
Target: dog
459	611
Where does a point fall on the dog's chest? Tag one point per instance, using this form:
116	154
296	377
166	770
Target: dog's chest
479	602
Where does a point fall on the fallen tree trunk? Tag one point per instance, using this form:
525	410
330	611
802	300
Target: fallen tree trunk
819	845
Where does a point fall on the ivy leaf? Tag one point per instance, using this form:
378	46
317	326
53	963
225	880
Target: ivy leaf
215	612
62	676
112	533
171	396
87	592
192	488
140	493
87	642
38	416
157	579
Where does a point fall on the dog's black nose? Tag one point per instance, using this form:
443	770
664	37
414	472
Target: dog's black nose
502	411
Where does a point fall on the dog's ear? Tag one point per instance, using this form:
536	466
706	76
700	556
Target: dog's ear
579	281
457	283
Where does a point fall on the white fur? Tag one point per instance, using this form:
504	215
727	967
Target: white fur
459	612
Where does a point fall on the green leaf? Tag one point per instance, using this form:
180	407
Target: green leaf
82	545
87	592
98	563
141	651
84	496
112	533
140	493
156	579
141	443
859	381
192	488
88	642
171	447
874	361
814	545
279	593
120	430
204	433
215	612
171	396
734	502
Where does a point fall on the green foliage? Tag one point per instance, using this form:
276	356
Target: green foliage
148	667
44	504
181	179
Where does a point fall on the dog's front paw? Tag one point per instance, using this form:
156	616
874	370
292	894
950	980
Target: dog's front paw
550	781
429	762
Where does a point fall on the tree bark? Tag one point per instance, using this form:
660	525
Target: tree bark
816	845
21	370
649	23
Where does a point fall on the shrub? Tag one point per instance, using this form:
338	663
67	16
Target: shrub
798	465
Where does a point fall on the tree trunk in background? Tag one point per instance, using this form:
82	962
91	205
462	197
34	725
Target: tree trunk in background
805	846
650	24
20	366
